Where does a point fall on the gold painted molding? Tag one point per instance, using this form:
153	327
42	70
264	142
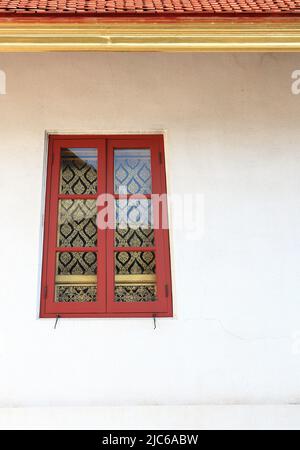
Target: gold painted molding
185	35
92	279
135	279
76	279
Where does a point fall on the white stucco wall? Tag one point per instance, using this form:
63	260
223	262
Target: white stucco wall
232	134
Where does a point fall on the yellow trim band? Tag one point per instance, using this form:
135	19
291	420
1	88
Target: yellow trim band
92	279
76	279
189	35
135	279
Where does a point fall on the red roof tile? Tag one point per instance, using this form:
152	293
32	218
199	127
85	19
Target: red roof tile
138	7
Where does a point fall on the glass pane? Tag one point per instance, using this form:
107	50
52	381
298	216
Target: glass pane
134	223
135	279
79	294
76	263
76	277
132	171
135	293
78	173
134	263
77	223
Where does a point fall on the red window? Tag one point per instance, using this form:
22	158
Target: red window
106	239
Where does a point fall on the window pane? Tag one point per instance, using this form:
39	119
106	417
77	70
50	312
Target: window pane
135	293
76	263
77	223
78	173
132	171
76	276
134	263
134	223
79	294
135	279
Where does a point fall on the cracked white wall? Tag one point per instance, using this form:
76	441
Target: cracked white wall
232	128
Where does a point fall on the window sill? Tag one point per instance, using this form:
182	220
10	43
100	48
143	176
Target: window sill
106	315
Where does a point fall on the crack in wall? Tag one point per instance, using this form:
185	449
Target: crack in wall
237	336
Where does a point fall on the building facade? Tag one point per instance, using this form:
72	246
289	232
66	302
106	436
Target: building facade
230	127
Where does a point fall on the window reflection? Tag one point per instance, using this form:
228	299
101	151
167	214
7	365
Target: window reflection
132	170
78	173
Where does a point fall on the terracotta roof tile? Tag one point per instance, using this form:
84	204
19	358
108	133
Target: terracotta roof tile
196	7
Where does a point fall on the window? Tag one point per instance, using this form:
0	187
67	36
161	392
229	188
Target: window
106	239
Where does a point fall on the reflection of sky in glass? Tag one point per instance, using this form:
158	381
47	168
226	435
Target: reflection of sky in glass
133	170
78	171
88	155
134	213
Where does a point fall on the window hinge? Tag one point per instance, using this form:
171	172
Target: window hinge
45	291
167	290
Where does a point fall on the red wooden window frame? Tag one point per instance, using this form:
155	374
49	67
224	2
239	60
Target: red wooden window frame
105	306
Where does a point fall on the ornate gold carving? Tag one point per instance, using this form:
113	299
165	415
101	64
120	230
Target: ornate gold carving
78	172
78	294
76	263
131	294
134	263
77	223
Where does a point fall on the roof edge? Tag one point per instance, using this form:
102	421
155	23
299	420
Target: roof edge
146	15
